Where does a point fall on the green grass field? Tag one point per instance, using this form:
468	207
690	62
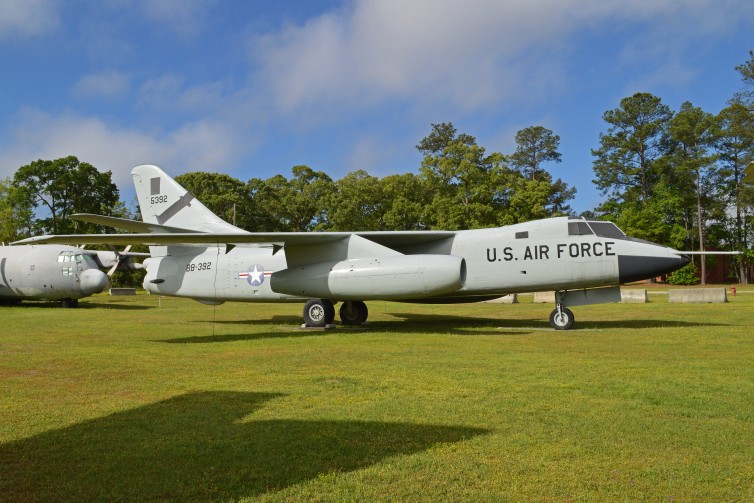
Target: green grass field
125	399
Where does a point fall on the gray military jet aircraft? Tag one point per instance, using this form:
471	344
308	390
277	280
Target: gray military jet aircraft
196	254
49	272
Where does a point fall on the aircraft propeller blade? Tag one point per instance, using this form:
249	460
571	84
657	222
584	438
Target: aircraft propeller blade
120	258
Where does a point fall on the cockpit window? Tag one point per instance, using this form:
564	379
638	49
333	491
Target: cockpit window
607	230
578	228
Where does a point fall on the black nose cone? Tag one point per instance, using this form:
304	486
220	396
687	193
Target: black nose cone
636	268
685	259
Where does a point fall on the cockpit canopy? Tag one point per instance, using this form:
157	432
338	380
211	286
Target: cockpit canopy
599	228
78	258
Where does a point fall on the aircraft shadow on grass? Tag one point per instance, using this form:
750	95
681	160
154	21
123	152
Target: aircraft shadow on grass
294	331
199	447
214	338
447	323
111	305
423	323
41	304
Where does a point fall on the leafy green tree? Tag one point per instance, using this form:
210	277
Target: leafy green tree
747	69
7	228
470	189
626	164
15	220
734	140
356	204
691	130
55	189
747	75
297	204
462	179
534	146
227	197
405	197
441	137
653	221
526	199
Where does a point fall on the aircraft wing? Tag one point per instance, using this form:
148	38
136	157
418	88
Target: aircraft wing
128	225
391	239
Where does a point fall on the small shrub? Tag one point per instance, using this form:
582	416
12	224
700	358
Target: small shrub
686	275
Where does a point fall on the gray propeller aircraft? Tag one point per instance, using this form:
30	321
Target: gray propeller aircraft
196	254
58	272
50	272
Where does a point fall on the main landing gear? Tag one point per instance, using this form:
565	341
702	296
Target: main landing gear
319	313
69	303
353	312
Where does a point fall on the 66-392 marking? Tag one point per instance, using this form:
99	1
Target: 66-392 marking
198	266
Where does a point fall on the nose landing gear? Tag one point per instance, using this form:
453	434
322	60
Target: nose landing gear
561	318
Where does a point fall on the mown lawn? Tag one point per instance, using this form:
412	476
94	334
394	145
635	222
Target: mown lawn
135	399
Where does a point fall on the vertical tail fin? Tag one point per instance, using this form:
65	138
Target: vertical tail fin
163	201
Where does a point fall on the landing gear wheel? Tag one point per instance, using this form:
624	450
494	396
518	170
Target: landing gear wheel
562	320
318	313
353	312
69	303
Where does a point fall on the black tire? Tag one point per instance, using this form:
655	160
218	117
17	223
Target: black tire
353	312
69	303
318	313
562	322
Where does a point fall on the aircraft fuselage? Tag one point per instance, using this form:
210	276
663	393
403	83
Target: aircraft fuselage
526	257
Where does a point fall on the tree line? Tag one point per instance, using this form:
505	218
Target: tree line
674	178
458	186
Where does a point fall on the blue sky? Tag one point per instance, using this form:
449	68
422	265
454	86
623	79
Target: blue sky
252	88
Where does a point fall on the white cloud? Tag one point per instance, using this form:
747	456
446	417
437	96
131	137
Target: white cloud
369	152
169	92
465	55
202	145
183	17
28	17
109	84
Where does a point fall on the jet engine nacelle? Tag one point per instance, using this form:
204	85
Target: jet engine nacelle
392	277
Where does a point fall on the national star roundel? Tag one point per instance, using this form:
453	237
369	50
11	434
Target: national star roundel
255	275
